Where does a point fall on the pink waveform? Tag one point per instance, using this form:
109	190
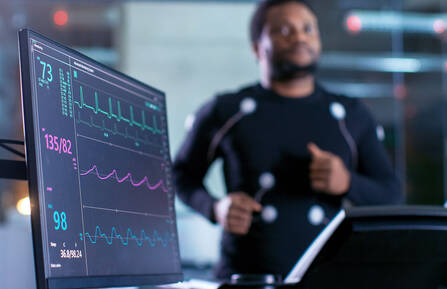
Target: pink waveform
128	176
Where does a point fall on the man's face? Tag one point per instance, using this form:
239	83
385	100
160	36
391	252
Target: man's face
290	36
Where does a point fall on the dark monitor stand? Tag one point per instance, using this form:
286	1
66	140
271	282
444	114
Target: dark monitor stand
11	169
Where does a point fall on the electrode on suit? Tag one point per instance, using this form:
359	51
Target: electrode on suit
267	181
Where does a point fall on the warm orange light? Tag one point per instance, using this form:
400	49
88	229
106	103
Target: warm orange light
439	26
24	206
60	17
354	23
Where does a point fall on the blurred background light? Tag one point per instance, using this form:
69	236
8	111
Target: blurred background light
387	21
60	17
24	206
439	26
400	91
382	63
354	24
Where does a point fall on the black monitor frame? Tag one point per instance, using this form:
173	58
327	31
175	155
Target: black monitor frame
31	169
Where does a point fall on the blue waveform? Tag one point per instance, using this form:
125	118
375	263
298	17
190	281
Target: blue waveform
152	239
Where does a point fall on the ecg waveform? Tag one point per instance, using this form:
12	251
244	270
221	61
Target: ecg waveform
129	177
118	116
114	130
152	239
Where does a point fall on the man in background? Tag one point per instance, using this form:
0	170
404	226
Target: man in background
291	150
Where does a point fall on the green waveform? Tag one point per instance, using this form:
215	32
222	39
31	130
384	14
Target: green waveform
118	116
114	130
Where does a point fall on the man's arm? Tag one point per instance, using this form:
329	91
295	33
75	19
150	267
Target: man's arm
374	182
234	212
191	164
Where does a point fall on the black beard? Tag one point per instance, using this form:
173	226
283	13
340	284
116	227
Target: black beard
285	71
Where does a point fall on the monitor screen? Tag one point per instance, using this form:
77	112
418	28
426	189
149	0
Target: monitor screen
99	171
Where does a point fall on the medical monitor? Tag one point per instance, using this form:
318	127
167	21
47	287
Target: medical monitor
99	171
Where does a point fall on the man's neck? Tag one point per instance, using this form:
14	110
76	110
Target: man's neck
294	88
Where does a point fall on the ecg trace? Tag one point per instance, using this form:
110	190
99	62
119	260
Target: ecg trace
129	177
118	116
114	130
152	239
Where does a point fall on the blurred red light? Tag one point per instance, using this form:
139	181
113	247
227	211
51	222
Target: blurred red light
354	23
60	18
400	91
439	26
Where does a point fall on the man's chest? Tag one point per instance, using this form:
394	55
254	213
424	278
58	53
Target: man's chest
267	138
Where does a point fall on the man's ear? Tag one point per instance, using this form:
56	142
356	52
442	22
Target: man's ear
255	48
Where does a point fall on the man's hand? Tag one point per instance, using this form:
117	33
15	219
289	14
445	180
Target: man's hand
234	212
328	173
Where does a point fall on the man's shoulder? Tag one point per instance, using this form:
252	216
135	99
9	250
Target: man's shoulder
350	103
228	102
237	94
357	112
337	97
225	104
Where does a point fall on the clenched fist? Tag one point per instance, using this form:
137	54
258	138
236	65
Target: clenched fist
328	174
234	212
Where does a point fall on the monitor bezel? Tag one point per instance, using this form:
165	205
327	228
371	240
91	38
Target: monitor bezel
31	168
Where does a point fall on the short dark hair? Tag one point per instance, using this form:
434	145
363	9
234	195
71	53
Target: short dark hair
258	19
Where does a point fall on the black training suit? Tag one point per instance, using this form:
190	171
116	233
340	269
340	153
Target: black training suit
274	139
